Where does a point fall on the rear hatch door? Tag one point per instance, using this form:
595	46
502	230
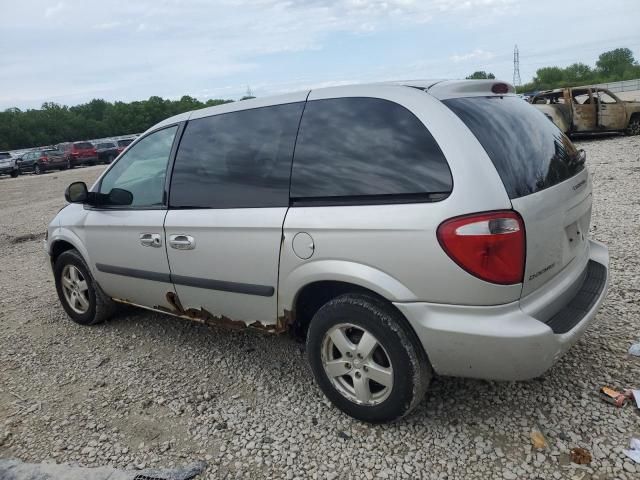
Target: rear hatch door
544	175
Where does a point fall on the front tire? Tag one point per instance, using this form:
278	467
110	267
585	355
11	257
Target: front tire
15	173
366	359
81	297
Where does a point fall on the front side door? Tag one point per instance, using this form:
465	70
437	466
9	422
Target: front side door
584	110
126	245
611	111
228	200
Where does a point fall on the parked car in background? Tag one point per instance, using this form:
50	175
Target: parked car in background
8	165
588	110
42	159
78	153
124	143
107	151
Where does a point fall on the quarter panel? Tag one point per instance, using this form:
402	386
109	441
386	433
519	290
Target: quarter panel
390	249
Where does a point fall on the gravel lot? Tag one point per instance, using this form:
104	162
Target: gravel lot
149	390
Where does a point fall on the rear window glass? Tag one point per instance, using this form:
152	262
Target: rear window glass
363	148
83	145
529	152
124	143
106	145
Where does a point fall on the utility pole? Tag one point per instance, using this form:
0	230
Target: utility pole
516	68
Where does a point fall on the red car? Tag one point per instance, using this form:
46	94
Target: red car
78	153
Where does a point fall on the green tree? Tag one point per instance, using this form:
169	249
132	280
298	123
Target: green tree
481	74
614	63
578	73
54	123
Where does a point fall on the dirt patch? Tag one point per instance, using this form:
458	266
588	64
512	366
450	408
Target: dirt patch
29	237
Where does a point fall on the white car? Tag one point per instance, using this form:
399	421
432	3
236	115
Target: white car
403	229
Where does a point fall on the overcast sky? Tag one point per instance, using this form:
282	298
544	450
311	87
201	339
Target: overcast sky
70	51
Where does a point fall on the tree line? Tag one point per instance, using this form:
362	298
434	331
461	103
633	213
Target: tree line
611	66
54	123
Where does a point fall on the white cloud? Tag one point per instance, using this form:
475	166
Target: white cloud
108	25
175	47
477	54
57	8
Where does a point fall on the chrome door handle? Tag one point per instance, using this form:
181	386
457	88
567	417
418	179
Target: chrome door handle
182	242
151	240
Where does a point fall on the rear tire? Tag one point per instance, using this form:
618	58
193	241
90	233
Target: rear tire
386	371
37	169
80	295
634	126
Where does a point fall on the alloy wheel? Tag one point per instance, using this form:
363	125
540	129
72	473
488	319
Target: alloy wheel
75	289
357	364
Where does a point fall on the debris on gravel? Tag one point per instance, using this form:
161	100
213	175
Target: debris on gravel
147	390
17	470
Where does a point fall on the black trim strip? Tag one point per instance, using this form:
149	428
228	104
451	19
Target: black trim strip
132	272
386	199
246	288
221	285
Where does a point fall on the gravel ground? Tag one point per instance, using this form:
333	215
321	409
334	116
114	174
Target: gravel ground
149	390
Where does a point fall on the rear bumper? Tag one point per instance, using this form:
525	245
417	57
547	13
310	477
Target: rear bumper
512	341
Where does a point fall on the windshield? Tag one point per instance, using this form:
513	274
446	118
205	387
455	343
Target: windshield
124	143
529	152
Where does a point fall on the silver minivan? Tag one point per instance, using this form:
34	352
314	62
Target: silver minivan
404	229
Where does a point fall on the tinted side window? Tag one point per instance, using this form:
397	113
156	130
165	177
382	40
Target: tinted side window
366	147
236	160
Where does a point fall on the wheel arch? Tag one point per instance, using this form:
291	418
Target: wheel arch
64	240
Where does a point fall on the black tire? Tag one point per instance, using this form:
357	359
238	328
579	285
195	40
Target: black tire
101	307
110	159
411	367
15	173
70	164
37	169
634	126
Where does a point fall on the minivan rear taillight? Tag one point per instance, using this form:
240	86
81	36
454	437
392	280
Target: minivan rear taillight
490	245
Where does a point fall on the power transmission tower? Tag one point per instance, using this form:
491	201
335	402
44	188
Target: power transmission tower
516	68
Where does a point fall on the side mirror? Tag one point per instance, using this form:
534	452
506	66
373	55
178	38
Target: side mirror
120	196
76	193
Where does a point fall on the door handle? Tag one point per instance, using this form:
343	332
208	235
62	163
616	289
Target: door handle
151	240
182	242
